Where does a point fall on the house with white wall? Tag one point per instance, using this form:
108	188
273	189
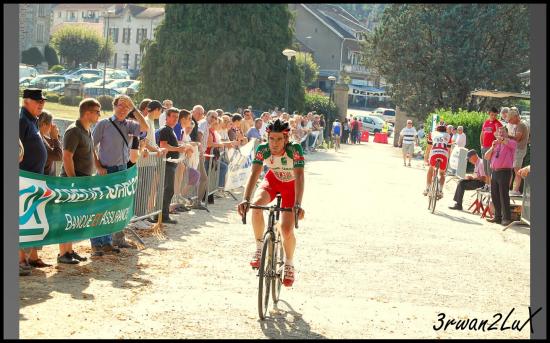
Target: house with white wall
128	26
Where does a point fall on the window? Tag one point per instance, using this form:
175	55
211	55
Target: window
125	61
59	14
114	60
129	18
137	61
126	35
40	33
41	11
141	34
355	57
71	16
113	33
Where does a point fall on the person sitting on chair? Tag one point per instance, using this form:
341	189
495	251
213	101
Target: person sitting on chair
470	182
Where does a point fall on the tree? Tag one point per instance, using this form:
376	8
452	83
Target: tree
106	51
77	44
32	56
51	56
222	56
433	56
309	68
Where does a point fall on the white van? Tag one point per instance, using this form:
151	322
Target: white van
27	71
387	113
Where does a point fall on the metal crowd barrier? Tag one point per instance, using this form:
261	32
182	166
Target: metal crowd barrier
182	191
150	189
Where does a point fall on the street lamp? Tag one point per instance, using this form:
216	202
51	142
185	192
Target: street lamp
289	53
331	79
106	15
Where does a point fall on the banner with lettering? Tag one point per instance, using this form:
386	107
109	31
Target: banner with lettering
65	209
240	165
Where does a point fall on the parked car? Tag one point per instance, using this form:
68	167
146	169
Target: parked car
133	73
374	124
119	83
27	71
90	78
94	92
41	81
117	74
131	89
99	83
24	81
77	74
387	113
56	87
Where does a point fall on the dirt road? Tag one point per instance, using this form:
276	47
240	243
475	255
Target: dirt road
371	261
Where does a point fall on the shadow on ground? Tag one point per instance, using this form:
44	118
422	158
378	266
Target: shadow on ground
285	322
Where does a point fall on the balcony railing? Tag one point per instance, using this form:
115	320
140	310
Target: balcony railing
355	68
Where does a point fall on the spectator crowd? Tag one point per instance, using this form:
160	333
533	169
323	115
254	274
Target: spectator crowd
93	145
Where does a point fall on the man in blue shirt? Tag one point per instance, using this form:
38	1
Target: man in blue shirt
254	132
114	136
34	159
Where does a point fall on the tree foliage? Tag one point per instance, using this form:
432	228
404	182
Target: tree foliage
316	101
51	56
77	44
433	56
308	67
32	56
222	56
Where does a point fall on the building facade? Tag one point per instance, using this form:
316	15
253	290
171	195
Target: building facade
89	15
34	26
334	38
128	26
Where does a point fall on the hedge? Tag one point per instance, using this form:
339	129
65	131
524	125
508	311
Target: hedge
56	68
471	122
106	102
70	100
52	97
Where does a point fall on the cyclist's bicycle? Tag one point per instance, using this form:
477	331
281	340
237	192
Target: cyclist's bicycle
434	188
271	268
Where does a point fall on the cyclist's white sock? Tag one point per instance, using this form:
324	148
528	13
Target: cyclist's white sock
288	262
258	245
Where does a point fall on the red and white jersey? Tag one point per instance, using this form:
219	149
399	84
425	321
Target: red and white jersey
441	140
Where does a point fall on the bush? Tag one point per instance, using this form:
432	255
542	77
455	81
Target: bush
56	68
470	121
106	102
50	55
52	97
70	100
320	103
32	56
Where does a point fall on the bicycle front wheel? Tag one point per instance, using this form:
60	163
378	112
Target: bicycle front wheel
278	265
435	188
265	275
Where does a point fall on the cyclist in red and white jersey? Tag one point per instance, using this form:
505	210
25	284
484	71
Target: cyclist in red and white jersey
439	151
285	176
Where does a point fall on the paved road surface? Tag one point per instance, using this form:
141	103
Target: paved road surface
372	262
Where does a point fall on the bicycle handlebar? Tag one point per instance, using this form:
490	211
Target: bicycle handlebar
276	209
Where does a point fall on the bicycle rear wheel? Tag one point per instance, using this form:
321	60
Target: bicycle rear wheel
435	188
278	265
265	275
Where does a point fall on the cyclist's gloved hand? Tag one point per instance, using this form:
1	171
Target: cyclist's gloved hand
242	208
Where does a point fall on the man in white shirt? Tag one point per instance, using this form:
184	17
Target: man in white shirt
162	118
407	139
470	182
460	137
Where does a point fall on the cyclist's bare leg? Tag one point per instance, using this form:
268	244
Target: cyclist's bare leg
261	198
442	178
429	176
287	233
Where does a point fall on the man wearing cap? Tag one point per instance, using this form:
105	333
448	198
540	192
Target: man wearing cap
114	136
470	182
34	159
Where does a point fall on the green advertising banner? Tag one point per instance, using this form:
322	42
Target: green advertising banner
65	209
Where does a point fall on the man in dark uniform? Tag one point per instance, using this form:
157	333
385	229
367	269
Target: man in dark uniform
34	159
